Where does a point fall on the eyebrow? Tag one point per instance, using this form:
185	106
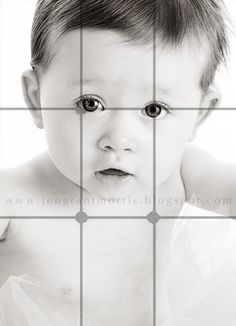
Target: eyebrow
76	82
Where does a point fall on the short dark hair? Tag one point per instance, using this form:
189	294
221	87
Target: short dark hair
173	20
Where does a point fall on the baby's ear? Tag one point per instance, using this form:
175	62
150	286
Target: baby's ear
210	101
30	87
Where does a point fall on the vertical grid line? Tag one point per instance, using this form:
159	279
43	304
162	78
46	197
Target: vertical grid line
154	53
154	164
154	99
81	49
81	167
81	274
81	115
81	162
154	274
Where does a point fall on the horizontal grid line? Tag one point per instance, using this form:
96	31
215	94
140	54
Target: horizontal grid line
114	108
118	217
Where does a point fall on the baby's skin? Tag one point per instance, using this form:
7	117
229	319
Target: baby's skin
118	75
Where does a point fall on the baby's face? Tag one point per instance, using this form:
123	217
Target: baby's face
119	75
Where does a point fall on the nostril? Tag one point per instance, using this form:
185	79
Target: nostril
108	147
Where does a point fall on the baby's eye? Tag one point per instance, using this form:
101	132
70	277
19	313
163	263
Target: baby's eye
90	103
156	110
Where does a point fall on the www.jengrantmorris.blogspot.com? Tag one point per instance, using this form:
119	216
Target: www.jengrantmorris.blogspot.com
146	200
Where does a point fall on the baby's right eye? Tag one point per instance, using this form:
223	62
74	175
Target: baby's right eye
157	110
90	103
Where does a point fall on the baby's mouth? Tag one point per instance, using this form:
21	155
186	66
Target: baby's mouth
113	176
115	172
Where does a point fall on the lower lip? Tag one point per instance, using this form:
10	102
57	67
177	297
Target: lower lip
112	179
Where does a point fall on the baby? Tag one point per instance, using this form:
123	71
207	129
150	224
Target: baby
120	88
110	76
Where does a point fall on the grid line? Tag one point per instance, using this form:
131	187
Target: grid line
223	217
154	274
117	108
81	162
154	164
81	274
81	166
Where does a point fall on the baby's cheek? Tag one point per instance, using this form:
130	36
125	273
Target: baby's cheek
63	139
168	156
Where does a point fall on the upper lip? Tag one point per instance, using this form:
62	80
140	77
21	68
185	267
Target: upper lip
115	166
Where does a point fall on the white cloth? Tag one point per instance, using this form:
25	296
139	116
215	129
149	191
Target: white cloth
196	271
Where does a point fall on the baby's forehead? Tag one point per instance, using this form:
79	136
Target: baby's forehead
107	57
93	40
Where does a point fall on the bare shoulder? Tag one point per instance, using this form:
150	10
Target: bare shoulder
199	167
34	188
21	176
19	183
210	180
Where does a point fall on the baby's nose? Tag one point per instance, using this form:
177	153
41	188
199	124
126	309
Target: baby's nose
116	143
119	135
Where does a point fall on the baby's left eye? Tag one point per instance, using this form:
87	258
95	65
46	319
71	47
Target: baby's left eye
156	110
90	103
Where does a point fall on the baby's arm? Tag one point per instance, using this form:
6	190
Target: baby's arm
209	183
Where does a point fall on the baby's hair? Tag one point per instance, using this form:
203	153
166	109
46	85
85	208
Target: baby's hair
174	21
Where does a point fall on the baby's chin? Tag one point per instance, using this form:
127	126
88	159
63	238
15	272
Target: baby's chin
117	204
136	200
125	197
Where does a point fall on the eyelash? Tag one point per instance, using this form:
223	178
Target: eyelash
98	99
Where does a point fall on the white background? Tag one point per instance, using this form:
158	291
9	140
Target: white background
21	140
